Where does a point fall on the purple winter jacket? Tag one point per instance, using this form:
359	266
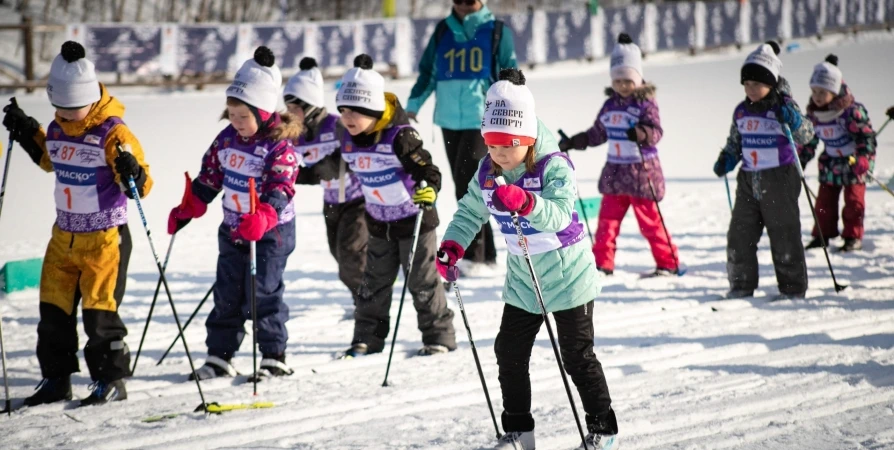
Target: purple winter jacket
628	178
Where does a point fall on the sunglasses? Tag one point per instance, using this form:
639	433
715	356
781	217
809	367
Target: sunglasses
465	2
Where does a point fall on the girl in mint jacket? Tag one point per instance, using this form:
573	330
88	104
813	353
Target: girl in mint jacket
540	188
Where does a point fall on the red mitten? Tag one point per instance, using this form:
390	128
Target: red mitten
191	207
861	166
449	253
511	198
254	226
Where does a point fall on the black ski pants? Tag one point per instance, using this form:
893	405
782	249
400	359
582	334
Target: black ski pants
348	236
767	198
574	328
385	257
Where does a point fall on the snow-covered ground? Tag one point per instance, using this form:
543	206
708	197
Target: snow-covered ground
685	370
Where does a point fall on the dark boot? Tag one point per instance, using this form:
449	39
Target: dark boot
51	390
817	243
738	293
104	392
358	349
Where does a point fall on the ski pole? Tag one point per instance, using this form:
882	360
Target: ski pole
883	126
791	141
658	207
152	306
583	209
136	196
416	228
253	259
729	197
452	276
158	285
552	338
12	102
186	325
2	346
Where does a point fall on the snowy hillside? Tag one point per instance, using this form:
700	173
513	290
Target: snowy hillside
686	370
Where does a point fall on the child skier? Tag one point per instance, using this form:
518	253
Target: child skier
90	247
541	189
343	205
386	154
629	123
768	184
257	144
844	127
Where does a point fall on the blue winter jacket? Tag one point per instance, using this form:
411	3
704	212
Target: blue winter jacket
460	102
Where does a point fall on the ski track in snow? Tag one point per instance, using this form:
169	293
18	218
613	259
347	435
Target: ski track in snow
686	370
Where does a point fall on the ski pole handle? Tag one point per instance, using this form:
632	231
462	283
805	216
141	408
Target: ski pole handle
502	182
452	273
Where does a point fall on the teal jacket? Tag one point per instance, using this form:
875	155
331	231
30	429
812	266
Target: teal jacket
460	103
568	275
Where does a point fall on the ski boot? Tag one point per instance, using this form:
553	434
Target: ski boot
795	296
214	367
104	392
667	272
817	243
735	294
274	366
602	433
432	349
358	349
51	390
851	245
607	272
516	440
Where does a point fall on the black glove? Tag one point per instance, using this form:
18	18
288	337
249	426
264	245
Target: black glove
22	129
20	125
631	134
890	113
127	166
579	141
725	164
564	144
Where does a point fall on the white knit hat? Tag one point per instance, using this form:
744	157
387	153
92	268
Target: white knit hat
72	82
827	75
627	61
307	84
763	64
509	117
258	81
362	89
